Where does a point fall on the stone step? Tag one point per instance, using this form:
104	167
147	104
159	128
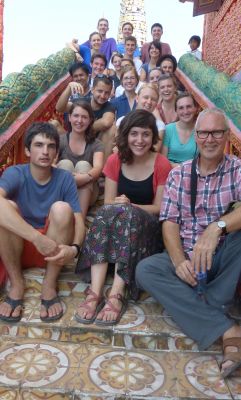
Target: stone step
145	325
145	356
41	368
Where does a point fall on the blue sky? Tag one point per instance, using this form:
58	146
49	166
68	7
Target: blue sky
34	29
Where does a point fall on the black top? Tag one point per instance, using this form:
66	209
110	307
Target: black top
139	192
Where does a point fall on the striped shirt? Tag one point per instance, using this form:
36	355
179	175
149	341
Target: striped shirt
214	193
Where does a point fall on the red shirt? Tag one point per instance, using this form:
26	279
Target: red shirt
162	167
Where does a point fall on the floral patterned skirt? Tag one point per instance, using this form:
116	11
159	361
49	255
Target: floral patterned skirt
121	234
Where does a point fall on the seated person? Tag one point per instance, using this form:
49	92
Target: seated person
179	144
130	46
154	51
84	53
82	154
196	277
168	93
194	43
103	111
156	32
147	99
116	72
40	222
98	64
127	101
127	30
126	228
108	45
154	75
78	88
125	62
168	64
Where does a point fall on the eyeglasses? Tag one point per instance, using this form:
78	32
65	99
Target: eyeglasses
131	78
218	134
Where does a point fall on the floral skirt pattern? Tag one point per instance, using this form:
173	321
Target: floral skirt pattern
121	234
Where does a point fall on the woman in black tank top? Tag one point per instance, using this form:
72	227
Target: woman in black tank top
126	229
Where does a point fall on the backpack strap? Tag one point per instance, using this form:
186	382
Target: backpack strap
193	186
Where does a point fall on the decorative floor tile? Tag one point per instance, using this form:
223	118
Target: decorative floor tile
140	342
121	373
146	325
198	375
9	394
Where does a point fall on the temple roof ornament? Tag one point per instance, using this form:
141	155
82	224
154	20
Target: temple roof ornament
133	11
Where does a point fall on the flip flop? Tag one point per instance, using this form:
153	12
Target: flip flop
234	356
47	304
85	305
111	307
13	304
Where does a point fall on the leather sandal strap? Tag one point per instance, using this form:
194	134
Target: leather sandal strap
117	296
95	297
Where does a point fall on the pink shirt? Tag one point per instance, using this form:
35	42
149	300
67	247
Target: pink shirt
144	51
214	193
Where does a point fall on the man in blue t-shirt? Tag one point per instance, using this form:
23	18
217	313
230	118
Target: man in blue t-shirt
40	222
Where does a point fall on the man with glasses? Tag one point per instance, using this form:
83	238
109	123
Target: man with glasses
196	277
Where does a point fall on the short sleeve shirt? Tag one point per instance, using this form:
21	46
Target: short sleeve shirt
178	152
35	200
214	194
65	152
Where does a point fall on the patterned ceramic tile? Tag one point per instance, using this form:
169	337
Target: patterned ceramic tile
9	394
198	375
135	323
140	342
234	384
44	395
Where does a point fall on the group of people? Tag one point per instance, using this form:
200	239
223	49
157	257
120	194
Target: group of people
164	223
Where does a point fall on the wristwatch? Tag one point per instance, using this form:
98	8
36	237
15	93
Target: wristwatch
222	225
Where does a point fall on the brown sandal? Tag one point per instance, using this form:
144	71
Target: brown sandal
111	307
234	356
85	304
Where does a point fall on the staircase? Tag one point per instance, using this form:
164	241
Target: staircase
145	356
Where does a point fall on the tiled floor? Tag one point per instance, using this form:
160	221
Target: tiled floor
146	356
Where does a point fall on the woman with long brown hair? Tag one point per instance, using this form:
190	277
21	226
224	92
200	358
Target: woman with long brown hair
126	229
82	154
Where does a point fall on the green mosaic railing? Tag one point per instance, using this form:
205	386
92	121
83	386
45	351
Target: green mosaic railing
217	86
19	90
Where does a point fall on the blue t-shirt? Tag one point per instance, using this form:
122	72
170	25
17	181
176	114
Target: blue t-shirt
121	49
121	105
178	152
35	200
85	53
